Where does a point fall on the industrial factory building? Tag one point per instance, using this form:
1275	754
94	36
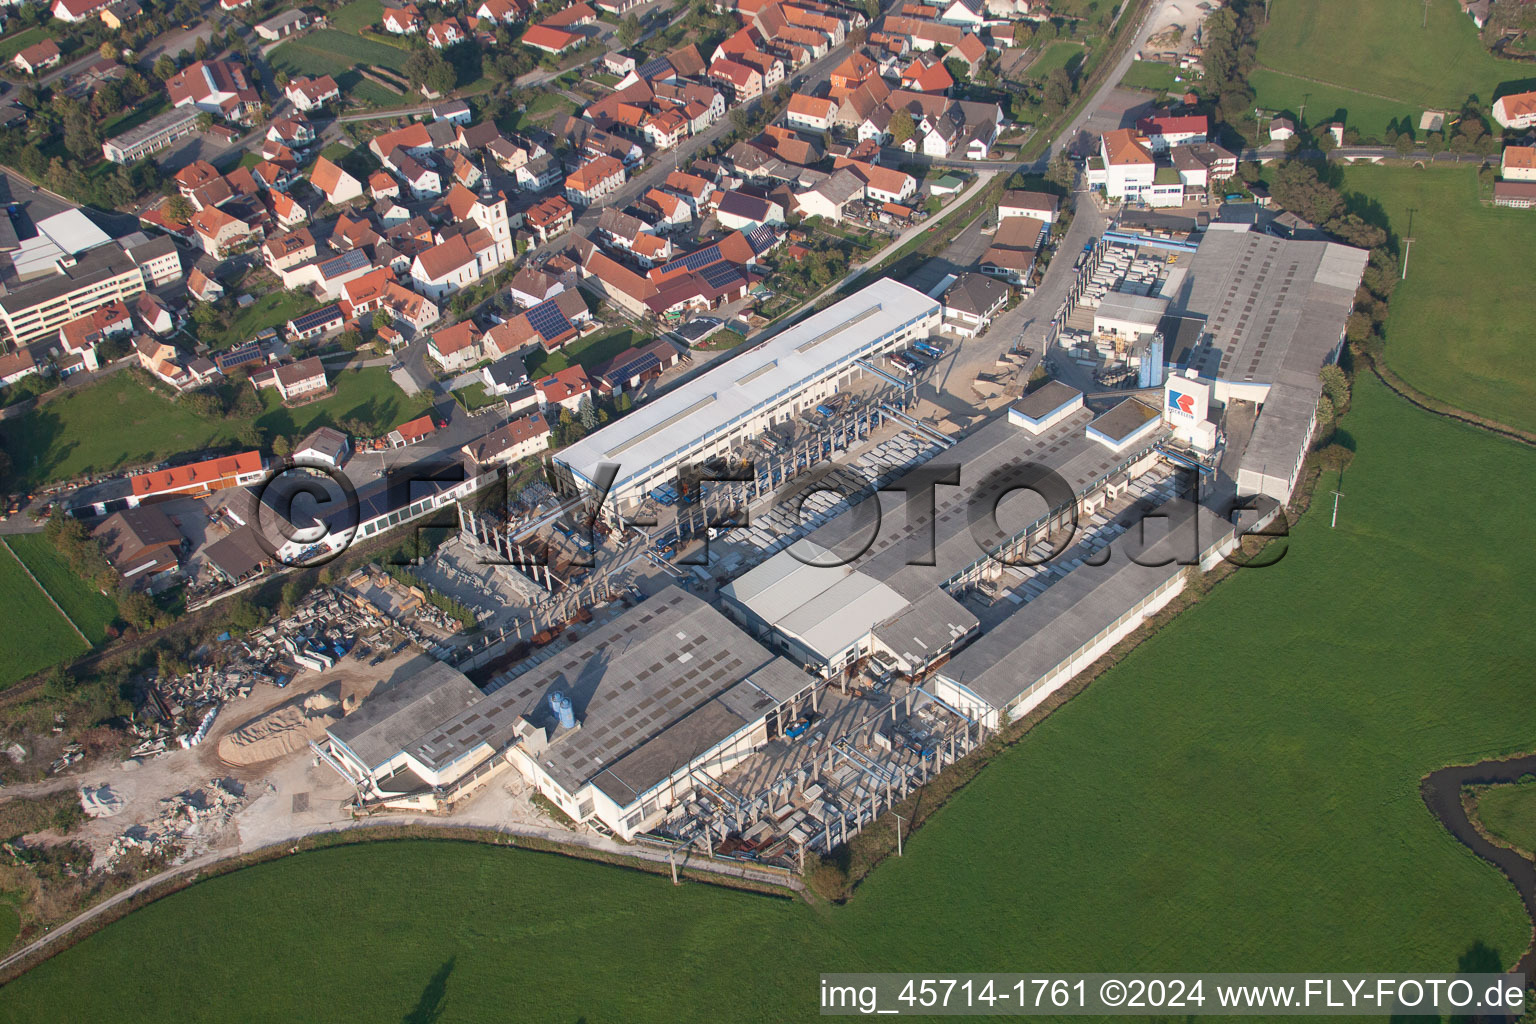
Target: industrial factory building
619	727
662	700
790	373
388	747
851	588
1040	647
1274	313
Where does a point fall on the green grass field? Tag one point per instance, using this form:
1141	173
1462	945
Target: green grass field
367	394
723	339
10	923
1060	54
90	609
542	109
135	115
15	42
116	422
1240	793
1380	47
474	397
549	102
35	634
357	15
369	92
1369	115
331	52
1451	333
1150	74
1509	812
270	310
589	352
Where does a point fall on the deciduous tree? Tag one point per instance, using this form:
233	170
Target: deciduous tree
1057	91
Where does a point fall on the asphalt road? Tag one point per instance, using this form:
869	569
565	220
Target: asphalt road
36	203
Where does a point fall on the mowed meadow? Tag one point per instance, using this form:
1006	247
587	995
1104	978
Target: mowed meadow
1241	793
1457	330
1372	57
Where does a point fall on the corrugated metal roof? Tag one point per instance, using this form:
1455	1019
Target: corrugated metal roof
712	401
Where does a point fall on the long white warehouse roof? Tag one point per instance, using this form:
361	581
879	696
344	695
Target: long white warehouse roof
767	374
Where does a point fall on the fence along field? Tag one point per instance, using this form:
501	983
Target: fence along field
35	634
88	608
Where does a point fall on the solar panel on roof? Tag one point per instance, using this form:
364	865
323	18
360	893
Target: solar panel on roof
346	262
718	275
309	321
698	258
761	238
548	320
633	368
250	352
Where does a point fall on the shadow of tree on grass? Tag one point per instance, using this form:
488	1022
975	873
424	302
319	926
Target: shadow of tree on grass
434	998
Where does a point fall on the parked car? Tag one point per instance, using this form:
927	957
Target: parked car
801	725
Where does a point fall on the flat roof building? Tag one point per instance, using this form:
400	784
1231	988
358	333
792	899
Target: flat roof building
1049	639
667	690
77	285
860	585
1129	423
1275	311
1045	407
1128	316
616	727
384	743
791	372
153	135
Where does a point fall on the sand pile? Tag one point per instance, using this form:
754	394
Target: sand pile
322	700
283	730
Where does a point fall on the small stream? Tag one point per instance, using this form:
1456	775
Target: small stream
1441	791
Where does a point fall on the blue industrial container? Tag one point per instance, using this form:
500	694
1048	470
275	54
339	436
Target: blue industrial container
561	705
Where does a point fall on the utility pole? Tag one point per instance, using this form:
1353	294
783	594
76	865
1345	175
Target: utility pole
899	820
1408	243
1426	13
1335	522
672	862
